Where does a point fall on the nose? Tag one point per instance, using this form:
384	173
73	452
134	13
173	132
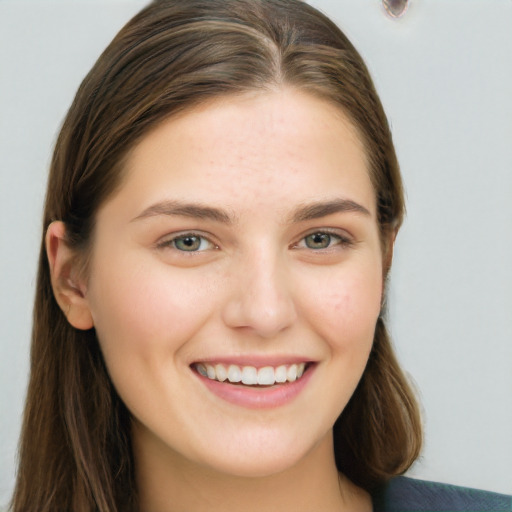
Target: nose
261	297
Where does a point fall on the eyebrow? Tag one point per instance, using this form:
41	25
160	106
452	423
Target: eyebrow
309	211
192	210
317	210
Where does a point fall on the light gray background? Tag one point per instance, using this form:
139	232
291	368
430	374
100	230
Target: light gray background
444	72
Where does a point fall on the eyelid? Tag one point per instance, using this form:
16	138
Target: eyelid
166	242
345	239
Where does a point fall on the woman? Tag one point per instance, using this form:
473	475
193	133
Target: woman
209	333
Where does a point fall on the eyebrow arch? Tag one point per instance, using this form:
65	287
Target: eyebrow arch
192	210
321	209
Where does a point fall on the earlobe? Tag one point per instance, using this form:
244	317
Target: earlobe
69	291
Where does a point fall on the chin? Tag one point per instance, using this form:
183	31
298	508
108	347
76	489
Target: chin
257	466
260	455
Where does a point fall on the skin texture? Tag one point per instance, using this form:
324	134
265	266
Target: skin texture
253	289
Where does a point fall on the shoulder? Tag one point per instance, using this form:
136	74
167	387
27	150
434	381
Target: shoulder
403	494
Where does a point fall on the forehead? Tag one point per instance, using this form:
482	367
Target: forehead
253	150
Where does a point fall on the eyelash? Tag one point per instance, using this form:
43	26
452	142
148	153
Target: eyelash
170	243
342	241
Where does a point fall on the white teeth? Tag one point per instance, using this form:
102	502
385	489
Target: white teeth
291	374
234	373
280	373
250	375
266	376
210	371
221	372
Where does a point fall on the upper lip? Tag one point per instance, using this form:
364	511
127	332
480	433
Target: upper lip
258	361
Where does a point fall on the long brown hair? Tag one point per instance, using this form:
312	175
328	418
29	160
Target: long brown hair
75	451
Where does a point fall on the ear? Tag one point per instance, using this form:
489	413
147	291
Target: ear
68	290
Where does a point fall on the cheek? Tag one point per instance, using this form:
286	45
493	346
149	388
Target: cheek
344	317
357	300
145	307
346	312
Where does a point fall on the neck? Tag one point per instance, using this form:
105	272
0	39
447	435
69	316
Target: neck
167	483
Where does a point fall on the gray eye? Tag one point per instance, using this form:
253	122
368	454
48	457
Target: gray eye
318	241
188	243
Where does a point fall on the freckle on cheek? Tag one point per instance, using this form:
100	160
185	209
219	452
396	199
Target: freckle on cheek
341	303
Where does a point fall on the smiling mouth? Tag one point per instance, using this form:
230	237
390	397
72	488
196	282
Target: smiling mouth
250	375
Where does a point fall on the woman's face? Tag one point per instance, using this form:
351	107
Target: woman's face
242	244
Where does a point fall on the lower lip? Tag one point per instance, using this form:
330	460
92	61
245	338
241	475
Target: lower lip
258	397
